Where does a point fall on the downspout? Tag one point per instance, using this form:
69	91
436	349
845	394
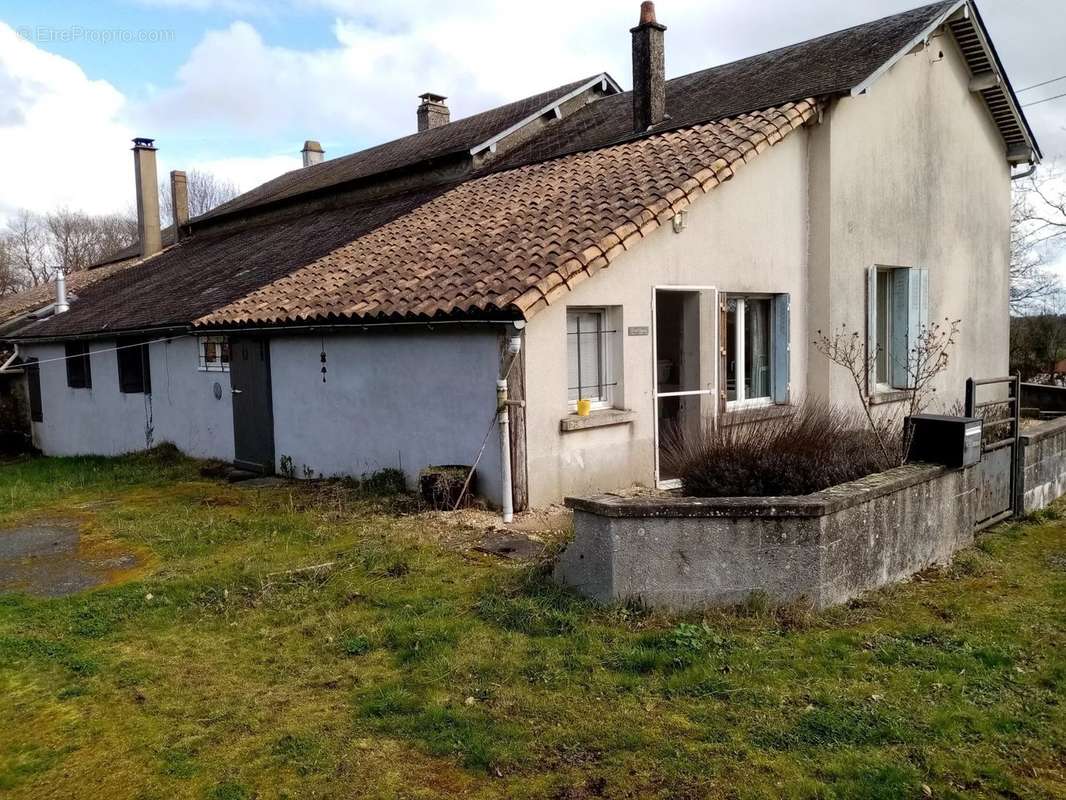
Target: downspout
503	409
504	413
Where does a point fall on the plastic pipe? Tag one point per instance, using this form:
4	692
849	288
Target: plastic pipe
504	414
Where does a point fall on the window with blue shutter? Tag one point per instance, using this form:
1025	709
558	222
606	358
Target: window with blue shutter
897	314
757	349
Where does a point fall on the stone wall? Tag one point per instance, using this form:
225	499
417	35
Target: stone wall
1044	469
821	549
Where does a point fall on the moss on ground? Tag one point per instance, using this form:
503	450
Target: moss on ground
404	669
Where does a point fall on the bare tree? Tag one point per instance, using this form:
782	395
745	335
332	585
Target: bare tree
926	359
27	243
10	281
206	192
1038	229
74	239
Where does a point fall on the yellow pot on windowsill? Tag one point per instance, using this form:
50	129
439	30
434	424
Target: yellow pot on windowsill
584	408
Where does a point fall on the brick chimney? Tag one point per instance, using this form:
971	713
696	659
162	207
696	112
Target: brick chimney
649	70
432	113
179	201
147	196
312	153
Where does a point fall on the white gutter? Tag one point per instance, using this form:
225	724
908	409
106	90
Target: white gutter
603	80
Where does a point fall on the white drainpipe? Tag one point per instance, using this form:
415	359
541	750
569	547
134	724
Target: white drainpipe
503	408
61	294
505	448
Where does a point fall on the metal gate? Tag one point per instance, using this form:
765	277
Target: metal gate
999	477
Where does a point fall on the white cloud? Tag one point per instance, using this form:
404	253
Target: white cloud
247	173
364	86
58	133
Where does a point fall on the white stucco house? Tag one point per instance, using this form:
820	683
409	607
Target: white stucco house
666	253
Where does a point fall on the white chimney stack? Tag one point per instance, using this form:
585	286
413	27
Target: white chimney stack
147	196
179	201
312	153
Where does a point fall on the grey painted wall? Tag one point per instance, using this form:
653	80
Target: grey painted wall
103	421
406	399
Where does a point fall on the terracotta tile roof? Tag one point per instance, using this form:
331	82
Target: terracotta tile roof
515	241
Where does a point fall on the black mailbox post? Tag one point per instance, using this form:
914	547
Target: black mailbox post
940	439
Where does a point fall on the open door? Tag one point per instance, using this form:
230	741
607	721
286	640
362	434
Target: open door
686	375
253	404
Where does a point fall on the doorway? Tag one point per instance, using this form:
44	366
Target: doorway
253	407
685	369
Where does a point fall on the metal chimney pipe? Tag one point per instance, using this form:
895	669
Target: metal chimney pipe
61	293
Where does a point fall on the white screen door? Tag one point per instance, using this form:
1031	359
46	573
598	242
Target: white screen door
685	325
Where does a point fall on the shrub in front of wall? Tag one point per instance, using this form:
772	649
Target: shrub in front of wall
817	447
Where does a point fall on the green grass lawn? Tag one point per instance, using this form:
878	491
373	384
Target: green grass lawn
411	669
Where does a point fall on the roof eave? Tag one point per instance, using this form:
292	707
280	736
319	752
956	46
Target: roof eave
964	10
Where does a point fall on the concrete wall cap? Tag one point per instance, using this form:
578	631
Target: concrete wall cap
827	501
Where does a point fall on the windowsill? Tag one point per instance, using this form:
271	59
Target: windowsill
880	398
597	419
736	416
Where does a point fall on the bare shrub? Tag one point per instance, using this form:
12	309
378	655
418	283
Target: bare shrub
817	447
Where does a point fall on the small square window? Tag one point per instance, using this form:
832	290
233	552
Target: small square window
79	368
214	354
589	345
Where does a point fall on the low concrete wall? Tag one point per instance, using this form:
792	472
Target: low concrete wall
1044	466
1045	399
823	548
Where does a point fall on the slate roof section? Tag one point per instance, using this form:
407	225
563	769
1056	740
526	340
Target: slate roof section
211	270
827	65
38	297
515	241
454	138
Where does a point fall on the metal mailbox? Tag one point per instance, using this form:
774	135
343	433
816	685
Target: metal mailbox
941	439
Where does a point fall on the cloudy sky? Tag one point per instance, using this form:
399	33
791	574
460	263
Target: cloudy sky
235	86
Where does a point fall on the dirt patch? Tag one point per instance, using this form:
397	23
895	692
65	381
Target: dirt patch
53	559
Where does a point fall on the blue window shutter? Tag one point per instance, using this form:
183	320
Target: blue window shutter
871	328
910	316
899	353
781	348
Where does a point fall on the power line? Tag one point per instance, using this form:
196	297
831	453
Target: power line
1045	100
1042	83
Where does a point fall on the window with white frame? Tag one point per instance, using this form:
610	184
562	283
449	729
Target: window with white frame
589	357
756	351
897	309
214	354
